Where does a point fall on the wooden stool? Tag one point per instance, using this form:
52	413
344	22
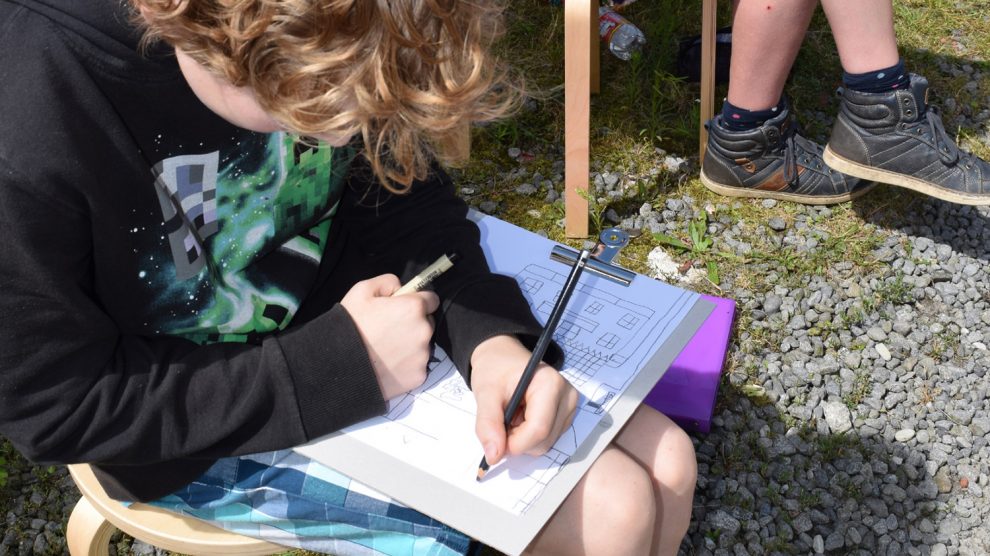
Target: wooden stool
96	516
581	62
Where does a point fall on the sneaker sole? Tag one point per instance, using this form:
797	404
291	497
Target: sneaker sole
865	172
735	191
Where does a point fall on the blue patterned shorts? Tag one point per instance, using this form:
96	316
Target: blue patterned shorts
286	498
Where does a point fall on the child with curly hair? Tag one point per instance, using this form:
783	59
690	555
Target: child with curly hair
200	242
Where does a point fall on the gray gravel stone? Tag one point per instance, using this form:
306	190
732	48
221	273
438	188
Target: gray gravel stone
488	207
904	435
818	544
838	417
834	541
526	189
725	523
772	303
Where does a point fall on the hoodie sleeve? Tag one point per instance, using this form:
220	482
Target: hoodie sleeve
404	233
75	388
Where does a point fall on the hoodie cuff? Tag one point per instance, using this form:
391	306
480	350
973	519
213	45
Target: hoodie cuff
485	309
334	380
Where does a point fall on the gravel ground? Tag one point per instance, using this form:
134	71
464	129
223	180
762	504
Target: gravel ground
876	437
856	416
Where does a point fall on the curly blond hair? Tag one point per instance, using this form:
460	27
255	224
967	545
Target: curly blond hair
406	75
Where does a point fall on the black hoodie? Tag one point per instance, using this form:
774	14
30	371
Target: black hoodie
169	282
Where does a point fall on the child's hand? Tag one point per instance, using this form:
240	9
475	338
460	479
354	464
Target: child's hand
546	410
396	331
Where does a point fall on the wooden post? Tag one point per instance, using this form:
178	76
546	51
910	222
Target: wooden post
578	24
595	55
708	23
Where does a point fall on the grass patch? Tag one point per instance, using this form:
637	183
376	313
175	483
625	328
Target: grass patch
834	446
861	389
944	344
895	291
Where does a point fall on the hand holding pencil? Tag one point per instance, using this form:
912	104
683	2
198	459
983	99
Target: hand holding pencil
546	425
396	325
545	412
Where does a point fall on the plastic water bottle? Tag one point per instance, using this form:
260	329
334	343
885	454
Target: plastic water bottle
623	38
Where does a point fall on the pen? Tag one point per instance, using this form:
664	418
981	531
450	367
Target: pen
428	274
541	347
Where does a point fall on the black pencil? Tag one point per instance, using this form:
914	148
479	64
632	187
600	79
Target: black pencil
541	347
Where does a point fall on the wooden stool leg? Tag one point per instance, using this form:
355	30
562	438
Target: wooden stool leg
88	532
578	21
708	22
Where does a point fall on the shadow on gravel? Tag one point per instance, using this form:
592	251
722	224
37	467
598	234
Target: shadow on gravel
785	483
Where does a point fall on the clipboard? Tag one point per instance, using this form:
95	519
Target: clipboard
618	342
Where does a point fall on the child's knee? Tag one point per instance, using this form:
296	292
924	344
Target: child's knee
679	471
623	503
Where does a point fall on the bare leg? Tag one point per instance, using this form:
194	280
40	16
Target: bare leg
635	499
611	511
864	33
667	453
766	37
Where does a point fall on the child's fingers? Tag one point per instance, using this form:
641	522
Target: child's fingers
431	302
490	426
565	415
380	286
535	435
549	409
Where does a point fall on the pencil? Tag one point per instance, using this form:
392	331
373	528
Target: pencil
541	347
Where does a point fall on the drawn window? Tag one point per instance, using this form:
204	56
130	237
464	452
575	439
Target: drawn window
567	330
595	308
531	285
608	341
628	321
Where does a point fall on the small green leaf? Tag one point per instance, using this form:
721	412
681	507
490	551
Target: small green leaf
712	272
672	241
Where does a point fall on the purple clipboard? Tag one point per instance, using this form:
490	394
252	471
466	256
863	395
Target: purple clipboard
686	393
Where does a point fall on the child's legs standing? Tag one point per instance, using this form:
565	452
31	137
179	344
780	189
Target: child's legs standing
766	37
864	33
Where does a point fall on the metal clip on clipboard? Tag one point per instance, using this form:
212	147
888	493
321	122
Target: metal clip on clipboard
610	242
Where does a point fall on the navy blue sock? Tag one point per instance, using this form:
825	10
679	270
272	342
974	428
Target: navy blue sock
740	119
878	81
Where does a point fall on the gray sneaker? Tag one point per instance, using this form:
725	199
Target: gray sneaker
773	161
896	138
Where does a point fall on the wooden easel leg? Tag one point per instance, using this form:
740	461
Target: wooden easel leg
578	24
88	532
708	22
596	50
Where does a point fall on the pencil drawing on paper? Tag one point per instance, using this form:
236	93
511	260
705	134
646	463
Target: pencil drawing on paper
617	337
607	334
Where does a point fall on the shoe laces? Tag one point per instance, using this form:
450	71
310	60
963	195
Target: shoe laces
947	149
794	147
